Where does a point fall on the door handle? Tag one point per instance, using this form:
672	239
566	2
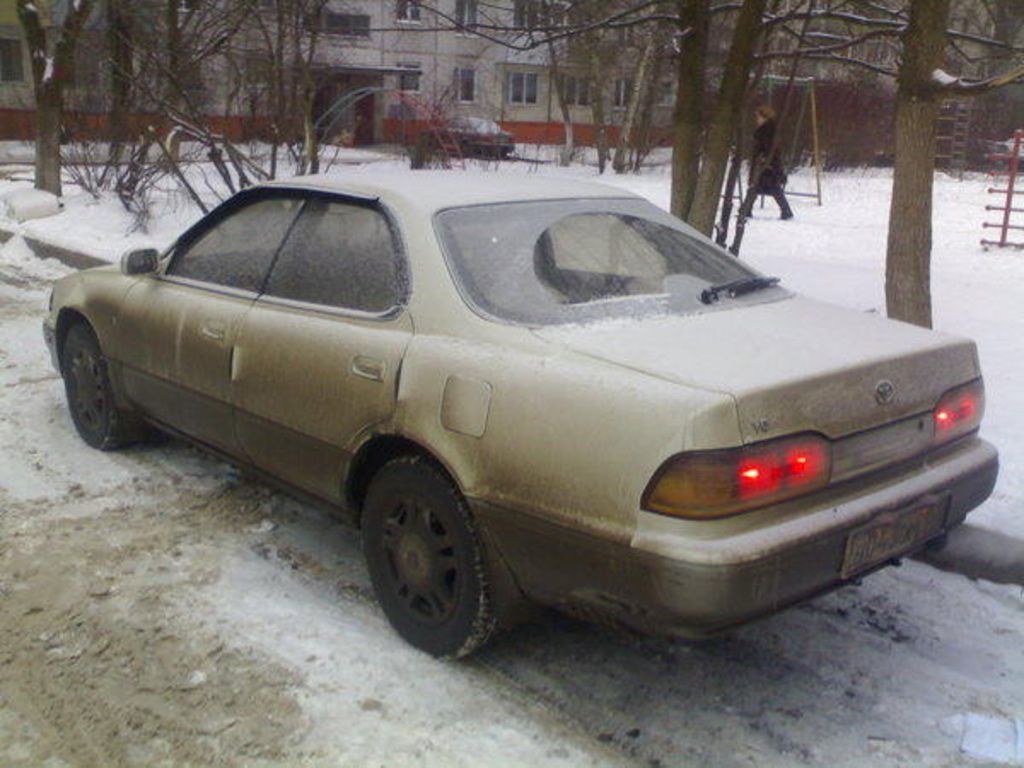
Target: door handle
368	368
210	330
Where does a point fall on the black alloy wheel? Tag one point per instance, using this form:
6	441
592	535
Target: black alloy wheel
87	386
426	560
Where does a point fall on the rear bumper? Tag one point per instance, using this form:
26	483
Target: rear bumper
675	578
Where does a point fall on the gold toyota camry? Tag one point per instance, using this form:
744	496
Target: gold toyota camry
524	389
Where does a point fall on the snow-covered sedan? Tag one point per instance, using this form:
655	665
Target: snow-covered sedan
530	388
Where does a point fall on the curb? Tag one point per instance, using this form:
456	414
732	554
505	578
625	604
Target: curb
74	259
45	250
977	553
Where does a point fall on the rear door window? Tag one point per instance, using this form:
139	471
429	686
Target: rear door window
340	254
236	251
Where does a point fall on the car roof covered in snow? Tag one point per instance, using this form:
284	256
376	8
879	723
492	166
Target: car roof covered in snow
432	191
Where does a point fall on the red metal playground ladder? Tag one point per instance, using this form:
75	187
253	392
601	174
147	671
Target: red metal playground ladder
1012	160
449	151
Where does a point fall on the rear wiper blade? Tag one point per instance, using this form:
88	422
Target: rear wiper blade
737	288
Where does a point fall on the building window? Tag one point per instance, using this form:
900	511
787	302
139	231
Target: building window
666	93
465	13
623	90
258	70
522	87
409	81
408	10
10	62
524	14
347	24
576	91
465	82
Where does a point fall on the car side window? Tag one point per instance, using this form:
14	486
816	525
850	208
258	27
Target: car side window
339	254
237	250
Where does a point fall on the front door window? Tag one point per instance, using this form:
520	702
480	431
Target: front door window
236	251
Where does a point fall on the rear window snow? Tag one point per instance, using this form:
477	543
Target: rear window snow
572	261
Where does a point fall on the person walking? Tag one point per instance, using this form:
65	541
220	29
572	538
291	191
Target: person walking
767	176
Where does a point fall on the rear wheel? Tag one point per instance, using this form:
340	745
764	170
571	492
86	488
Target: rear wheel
90	396
426	559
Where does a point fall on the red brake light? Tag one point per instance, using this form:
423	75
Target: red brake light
959	411
718	483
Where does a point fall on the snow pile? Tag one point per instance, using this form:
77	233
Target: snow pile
25	204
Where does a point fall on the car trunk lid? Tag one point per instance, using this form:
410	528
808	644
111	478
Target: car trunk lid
792	366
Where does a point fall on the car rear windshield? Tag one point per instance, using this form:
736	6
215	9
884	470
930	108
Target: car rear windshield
567	261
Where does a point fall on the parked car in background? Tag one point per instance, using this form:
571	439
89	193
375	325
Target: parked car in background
479	137
533	389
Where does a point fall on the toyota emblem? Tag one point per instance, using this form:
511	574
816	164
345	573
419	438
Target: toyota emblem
885	391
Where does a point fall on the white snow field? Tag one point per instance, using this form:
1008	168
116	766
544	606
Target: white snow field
156	608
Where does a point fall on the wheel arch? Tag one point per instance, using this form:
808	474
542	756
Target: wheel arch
67	318
374	454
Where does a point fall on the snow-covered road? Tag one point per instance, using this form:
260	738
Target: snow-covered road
157	607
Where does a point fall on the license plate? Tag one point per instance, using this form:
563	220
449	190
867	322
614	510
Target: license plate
892	534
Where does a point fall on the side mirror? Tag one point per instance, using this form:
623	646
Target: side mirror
143	261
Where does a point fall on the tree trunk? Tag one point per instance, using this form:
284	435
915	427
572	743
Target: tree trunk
49	73
175	55
727	111
310	144
49	101
732	181
565	157
636	97
598	108
121	61
908	257
689	111
569	145
641	140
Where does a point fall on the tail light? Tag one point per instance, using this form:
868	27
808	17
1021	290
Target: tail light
709	484
959	411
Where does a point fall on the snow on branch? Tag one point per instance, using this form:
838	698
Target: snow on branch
816	51
951	84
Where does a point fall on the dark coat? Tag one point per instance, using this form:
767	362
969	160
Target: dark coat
773	175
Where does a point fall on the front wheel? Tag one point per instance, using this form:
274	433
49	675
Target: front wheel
90	396
426	559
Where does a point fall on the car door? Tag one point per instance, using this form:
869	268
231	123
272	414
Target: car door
318	358
179	327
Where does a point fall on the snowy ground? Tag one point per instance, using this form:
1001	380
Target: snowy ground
159	608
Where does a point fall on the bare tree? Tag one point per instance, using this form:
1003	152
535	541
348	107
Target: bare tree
559	82
923	84
286	35
908	256
52	52
692	31
728	108
642	84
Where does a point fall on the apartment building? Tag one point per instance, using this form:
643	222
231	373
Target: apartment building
15	78
380	47
423	52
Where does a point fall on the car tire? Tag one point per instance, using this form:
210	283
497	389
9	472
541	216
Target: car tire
94	411
426	559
